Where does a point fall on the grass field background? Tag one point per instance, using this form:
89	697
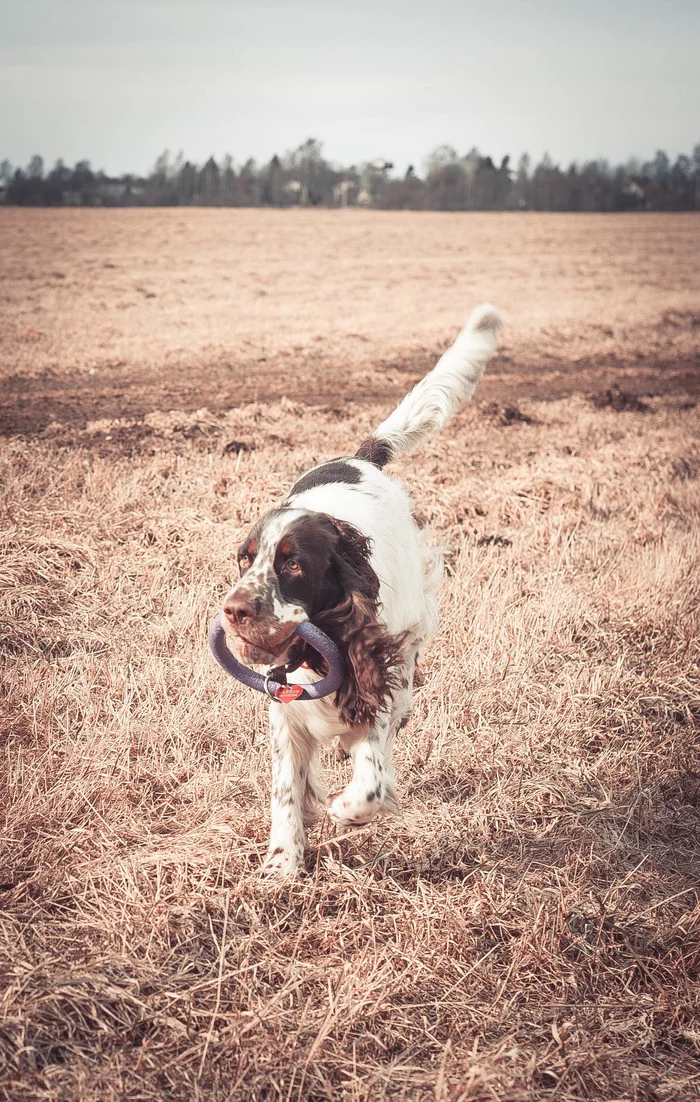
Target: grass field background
528	927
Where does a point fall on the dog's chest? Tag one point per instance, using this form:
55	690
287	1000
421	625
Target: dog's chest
317	718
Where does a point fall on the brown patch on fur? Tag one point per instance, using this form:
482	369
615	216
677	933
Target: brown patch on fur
376	451
371	655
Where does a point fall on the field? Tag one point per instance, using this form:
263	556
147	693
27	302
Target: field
528	926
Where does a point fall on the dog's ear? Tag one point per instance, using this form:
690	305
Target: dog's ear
351	557
370	652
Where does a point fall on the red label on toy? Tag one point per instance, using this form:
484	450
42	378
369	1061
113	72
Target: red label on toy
287	693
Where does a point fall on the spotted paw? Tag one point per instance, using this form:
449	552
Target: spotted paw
355	806
282	863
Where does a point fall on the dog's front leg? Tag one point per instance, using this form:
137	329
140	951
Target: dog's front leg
291	755
371	789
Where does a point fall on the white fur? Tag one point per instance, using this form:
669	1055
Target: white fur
453	380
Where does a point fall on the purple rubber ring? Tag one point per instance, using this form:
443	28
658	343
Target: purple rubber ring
282	693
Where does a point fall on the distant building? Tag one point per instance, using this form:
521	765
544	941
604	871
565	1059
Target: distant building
345	193
372	182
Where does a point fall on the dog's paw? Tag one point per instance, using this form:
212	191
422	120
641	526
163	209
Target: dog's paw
282	863
355	806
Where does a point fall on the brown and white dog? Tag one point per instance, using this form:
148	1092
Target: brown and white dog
344	551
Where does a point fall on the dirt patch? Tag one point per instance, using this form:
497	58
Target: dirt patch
621	401
502	414
29	404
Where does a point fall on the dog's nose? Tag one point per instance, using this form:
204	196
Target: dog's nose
241	606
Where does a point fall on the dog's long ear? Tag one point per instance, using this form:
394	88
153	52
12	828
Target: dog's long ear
370	652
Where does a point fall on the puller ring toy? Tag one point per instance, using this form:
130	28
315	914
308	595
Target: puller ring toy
283	693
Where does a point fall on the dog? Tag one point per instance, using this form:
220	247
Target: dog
345	551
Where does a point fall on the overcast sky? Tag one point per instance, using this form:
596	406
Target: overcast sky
118	81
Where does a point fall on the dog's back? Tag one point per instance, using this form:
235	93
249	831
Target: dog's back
357	490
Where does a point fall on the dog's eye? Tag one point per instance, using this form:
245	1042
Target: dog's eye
244	563
293	566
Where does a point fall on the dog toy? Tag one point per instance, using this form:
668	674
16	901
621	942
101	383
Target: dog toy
277	690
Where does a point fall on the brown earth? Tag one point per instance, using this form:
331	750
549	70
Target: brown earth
528	926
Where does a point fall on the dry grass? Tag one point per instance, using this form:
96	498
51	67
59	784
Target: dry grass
529	926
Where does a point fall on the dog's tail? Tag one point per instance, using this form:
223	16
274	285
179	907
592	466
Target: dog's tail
436	398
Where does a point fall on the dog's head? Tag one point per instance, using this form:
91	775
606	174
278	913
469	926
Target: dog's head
298	565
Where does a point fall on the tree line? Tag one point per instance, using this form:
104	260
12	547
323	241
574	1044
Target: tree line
303	177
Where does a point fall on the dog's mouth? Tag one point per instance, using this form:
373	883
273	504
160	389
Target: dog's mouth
255	652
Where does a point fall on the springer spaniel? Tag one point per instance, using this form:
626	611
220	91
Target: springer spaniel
344	551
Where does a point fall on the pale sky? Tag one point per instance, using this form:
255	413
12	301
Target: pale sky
118	81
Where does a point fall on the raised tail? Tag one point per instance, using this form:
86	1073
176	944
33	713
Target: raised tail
436	398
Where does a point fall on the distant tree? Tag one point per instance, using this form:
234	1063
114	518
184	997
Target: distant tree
25	190
521	190
490	186
661	167
209	183
186	184
452	182
307	167
441	157
161	169
272	193
696	175
682	183
17	188
446	179
248	185
35	168
57	182
83	181
227	183
161	184
406	194
547	186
